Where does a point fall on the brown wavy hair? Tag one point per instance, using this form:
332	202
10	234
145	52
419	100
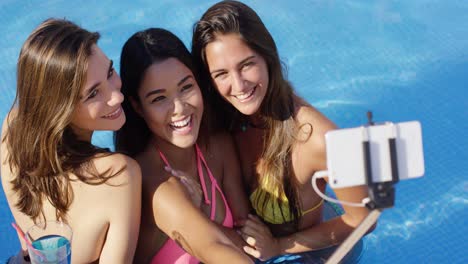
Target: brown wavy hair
277	109
43	149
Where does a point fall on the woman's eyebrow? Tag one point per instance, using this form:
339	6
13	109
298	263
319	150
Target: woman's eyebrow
240	63
155	91
184	80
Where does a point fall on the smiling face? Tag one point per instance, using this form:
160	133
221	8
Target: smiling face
171	102
239	73
100	98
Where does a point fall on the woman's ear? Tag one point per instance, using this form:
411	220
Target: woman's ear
136	106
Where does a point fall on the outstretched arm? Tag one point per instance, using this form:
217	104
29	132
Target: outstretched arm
309	156
263	245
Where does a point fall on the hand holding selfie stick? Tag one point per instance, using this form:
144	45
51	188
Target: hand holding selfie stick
381	191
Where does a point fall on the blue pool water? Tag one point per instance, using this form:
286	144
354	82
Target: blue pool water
404	60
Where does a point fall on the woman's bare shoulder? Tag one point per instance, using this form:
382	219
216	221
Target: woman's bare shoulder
313	125
122	186
171	201
307	114
115	162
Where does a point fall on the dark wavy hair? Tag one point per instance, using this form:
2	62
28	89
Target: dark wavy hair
142	50
277	109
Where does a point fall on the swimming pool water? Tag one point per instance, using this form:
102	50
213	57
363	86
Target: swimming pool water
404	60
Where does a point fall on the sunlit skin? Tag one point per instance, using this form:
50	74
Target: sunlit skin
241	77
104	217
99	106
239	74
171	103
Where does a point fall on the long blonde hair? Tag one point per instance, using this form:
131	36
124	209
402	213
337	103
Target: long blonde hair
43	149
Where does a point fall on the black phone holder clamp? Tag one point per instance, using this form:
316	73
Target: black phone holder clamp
381	194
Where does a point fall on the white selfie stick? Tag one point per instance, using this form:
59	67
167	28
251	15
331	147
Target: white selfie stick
354	237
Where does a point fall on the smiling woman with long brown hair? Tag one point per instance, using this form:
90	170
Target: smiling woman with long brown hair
66	89
280	138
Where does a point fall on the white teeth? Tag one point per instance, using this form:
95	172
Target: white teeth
113	113
182	123
245	95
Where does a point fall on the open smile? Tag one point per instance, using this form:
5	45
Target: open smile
246	96
183	125
114	114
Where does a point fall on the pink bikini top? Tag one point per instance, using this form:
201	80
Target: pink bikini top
170	252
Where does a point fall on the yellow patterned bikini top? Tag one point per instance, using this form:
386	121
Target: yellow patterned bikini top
271	210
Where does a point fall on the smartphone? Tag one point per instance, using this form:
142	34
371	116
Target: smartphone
346	160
